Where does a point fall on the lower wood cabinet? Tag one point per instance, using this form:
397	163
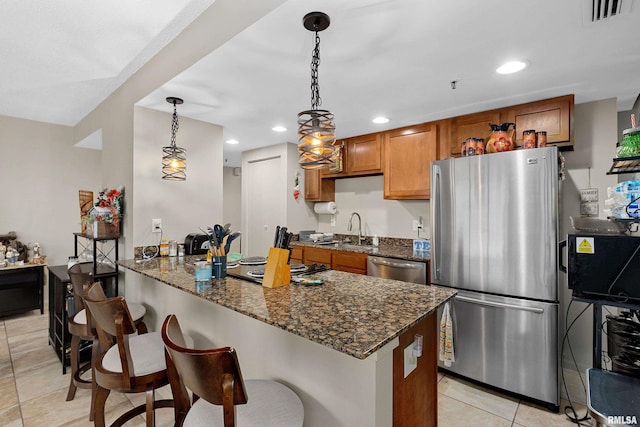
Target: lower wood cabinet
351	262
317	256
408	153
296	254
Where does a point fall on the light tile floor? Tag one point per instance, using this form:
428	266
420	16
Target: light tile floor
33	390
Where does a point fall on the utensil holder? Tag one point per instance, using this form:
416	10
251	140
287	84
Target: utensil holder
219	267
277	272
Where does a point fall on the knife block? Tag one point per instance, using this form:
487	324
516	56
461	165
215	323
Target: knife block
277	272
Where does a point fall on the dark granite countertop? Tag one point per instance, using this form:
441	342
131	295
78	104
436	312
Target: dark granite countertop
351	313
384	250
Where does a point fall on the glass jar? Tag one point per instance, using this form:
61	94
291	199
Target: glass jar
164	247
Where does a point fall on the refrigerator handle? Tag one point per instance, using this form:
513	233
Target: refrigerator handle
435	232
499	304
561	246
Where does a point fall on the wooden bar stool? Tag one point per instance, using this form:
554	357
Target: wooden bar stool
226	400
128	362
81	329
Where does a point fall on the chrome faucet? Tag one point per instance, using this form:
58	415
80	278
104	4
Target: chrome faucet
350	226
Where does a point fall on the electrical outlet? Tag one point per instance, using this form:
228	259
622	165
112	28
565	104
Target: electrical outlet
410	359
333	220
156	225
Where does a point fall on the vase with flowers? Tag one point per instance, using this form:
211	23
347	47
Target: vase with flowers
105	217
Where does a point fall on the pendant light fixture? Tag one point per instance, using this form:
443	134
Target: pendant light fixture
174	159
316	130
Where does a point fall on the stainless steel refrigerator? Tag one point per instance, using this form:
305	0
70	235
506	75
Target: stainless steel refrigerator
494	222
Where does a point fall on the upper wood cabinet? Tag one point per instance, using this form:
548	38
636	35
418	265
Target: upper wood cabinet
408	153
317	189
555	116
361	155
364	155
471	126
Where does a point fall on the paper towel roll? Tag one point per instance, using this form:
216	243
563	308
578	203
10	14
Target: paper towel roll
325	208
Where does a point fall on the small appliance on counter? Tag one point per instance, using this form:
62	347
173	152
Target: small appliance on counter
604	266
196	244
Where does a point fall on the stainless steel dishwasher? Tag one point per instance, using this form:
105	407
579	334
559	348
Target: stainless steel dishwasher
397	269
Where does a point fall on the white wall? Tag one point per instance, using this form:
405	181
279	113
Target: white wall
388	218
41	174
232	209
595	147
183	206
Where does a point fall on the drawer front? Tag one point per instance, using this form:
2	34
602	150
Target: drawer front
317	256
350	262
297	254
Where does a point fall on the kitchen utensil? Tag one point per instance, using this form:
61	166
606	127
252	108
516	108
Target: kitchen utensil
232	237
223	244
277	236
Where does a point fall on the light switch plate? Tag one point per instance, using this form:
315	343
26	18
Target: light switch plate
410	361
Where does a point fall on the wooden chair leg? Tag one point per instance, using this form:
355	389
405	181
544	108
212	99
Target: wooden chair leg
99	406
95	353
149	406
75	365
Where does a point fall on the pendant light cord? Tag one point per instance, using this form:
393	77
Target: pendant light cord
174	126
316	101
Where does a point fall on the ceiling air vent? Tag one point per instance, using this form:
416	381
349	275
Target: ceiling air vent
603	10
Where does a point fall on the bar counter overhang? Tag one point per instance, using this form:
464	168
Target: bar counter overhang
339	345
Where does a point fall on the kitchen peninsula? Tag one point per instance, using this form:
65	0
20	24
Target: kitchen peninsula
340	346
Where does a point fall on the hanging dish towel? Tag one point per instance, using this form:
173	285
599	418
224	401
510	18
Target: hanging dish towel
446	337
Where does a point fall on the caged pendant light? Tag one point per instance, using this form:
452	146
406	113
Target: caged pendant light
316	130
174	159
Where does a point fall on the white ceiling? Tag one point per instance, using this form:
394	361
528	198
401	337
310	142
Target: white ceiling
61	58
379	57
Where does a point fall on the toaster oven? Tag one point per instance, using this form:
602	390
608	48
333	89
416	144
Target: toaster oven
196	244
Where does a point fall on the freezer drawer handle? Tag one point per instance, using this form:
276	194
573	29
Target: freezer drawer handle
395	264
499	304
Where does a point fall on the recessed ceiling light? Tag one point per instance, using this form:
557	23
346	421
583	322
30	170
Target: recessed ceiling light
279	129
232	141
380	120
511	67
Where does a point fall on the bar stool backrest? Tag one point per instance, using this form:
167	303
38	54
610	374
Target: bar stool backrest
212	374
